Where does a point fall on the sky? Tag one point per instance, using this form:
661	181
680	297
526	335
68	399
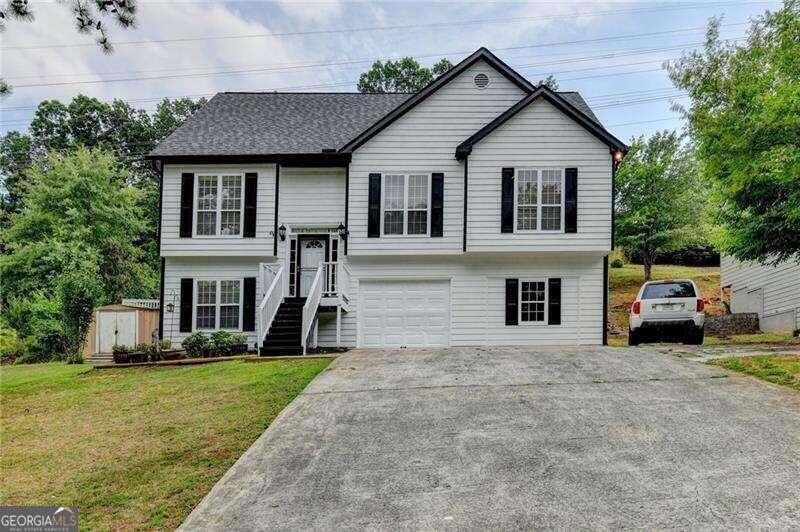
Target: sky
609	51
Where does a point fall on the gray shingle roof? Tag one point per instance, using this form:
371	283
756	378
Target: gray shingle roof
234	123
253	123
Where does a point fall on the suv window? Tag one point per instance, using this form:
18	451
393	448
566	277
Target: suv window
668	290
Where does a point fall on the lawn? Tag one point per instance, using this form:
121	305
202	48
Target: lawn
784	370
134	448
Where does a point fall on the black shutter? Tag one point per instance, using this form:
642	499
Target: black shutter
187	293
512	301
437	204
374	215
507	202
554	301
187	199
250	192
570	200
249	308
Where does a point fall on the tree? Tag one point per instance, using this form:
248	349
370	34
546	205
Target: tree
88	16
550	82
744	113
404	75
78	211
659	197
79	293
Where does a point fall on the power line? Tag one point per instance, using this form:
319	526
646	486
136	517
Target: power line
358	61
385	28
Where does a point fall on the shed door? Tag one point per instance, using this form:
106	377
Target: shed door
115	328
404	313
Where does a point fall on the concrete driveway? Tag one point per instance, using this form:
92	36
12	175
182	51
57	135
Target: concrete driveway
519	438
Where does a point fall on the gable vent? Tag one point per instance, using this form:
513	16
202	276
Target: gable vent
481	80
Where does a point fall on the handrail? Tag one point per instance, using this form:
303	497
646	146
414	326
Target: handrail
312	305
268	308
336	278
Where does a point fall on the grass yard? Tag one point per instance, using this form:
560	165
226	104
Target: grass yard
784	370
134	448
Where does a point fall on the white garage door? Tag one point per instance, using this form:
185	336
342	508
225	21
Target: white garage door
404	313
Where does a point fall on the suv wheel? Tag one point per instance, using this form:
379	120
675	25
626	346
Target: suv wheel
633	338
695	336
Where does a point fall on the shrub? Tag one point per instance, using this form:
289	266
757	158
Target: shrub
617	263
80	291
119	349
221	342
165	344
12	347
195	344
695	255
36	320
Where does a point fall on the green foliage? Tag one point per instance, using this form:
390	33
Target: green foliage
550	82
196	344
745	116
12	347
36	320
78	212
79	291
659	197
404	75
221	341
617	263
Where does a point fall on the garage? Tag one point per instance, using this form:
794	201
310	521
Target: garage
404	313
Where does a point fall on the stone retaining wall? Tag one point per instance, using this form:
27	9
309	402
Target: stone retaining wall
730	324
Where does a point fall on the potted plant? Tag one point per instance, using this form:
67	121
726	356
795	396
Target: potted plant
238	344
121	353
196	344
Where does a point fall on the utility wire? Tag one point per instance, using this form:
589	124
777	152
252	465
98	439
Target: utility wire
616	12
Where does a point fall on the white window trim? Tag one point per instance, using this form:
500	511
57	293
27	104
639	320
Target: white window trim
546	301
217	305
405	204
539	200
195	217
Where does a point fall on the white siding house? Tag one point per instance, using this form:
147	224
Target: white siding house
771	291
477	211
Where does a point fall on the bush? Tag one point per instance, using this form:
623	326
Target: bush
617	263
221	343
80	292
12	347
36	321
121	349
196	344
164	344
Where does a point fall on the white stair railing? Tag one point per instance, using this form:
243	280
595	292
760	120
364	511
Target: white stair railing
343	280
337	279
268	308
312	305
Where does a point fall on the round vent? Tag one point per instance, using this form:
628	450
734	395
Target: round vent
481	80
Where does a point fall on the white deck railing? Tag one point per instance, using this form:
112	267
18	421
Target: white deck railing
337	279
268	308
266	274
312	305
152	304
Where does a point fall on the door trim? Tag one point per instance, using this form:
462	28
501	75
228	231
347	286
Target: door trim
299	261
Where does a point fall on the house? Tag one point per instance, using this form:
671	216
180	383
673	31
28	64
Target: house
771	291
477	211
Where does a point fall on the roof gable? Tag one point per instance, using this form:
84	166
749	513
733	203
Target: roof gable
563	104
481	54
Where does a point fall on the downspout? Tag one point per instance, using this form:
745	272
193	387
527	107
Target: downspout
466	189
158	166
275	217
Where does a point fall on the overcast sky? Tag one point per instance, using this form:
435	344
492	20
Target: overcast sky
324	46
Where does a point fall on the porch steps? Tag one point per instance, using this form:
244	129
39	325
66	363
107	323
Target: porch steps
283	337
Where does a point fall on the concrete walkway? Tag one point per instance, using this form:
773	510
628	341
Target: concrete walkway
519	438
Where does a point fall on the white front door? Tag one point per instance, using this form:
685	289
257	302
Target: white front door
404	313
312	253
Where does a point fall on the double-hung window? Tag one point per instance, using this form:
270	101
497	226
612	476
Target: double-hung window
219	205
218	304
406	204
539	200
533	301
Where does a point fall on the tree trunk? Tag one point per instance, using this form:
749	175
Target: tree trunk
648	268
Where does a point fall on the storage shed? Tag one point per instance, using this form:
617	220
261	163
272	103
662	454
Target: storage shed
130	323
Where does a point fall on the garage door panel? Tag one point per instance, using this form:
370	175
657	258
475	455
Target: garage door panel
404	313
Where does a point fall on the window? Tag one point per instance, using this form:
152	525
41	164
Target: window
219	205
668	290
406	199
532	301
218	304
539	199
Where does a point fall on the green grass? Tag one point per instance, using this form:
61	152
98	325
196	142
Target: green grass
134	448
783	370
747	339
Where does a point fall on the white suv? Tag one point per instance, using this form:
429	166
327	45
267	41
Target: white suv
667	309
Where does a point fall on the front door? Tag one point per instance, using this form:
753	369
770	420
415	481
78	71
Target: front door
313	251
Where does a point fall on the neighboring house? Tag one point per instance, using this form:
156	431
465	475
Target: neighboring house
771	291
477	211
